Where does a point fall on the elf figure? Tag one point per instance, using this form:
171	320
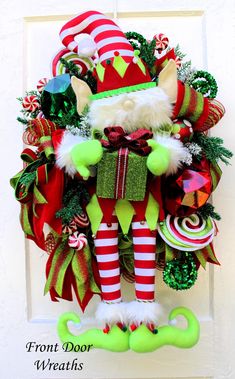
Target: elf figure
123	165
127	114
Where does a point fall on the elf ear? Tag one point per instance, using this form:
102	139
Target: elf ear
167	80
82	92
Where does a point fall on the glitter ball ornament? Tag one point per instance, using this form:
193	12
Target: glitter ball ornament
77	241
182	130
180	274
187	191
30	103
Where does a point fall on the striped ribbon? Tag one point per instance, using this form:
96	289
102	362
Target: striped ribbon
69	267
207	254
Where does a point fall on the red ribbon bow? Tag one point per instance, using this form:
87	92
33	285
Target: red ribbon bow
136	141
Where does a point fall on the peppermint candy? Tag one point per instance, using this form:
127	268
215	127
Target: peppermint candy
77	241
70	228
41	84
187	233
81	220
30	103
162	41
40	115
178	62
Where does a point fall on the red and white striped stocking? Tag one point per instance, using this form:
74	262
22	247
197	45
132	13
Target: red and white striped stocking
106	247
144	243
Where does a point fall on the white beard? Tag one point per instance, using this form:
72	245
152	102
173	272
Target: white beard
149	108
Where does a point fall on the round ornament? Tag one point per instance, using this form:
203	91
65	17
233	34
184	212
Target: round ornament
182	130
180	273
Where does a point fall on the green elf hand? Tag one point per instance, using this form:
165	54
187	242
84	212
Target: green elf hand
159	159
86	154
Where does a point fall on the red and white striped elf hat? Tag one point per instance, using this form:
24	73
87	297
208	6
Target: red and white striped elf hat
119	65
107	36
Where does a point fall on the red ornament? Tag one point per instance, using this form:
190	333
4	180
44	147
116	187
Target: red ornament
182	130
188	190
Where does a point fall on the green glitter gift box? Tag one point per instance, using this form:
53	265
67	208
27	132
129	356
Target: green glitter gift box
122	174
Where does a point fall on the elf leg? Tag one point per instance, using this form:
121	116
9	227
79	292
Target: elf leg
111	309
144	309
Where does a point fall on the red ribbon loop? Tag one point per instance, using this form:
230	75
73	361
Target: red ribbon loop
136	141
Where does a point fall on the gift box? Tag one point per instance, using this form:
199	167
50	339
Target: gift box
122	174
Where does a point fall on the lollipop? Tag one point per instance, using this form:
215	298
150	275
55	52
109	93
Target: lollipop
77	241
58	68
41	84
30	103
187	233
81	220
162	42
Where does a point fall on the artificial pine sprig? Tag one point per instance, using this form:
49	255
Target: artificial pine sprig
72	69
75	196
146	48
213	148
22	120
184	72
208	210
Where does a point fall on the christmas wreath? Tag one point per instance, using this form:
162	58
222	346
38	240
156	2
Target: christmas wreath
120	167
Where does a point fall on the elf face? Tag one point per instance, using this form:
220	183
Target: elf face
149	108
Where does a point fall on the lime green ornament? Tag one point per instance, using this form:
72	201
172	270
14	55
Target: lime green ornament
180	273
159	159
